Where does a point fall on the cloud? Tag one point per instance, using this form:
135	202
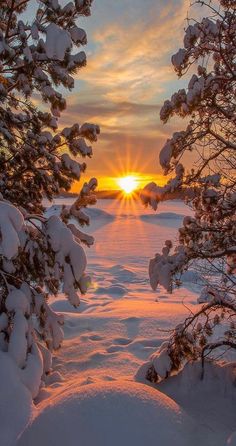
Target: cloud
124	117
130	58
105	108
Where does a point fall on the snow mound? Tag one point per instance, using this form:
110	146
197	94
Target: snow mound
161	216
98	213
114	414
163	219
209	401
93	213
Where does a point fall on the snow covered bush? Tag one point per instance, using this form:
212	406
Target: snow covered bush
208	104
39	256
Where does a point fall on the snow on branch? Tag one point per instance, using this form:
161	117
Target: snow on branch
206	239
40	255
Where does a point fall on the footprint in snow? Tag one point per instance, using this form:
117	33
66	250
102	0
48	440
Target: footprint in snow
113	290
122	341
93	337
96	338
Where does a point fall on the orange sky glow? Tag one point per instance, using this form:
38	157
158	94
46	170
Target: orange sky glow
127	78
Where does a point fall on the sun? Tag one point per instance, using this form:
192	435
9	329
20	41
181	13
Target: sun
128	184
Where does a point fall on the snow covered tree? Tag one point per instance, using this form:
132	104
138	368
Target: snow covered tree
39	255
209	236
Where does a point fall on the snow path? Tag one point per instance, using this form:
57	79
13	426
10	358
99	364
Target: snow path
113	336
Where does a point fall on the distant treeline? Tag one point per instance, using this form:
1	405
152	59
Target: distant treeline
118	194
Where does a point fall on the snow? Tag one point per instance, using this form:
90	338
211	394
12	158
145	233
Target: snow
18	342
162	363
91	396
166	154
123	413
11	222
58	41
71	165
211	402
15	404
179	58
66	247
31	374
162	215
78	35
169	219
206	295
232	440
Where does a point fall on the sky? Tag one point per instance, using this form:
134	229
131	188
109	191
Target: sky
127	78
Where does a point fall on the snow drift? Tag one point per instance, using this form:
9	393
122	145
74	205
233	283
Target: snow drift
162	216
170	219
209	401
92	213
112	414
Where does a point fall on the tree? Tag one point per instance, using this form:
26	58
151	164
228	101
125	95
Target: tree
208	237
39	255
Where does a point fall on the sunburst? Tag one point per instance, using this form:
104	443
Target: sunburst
128	184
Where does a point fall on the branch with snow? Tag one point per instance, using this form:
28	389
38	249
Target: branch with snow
40	256
209	236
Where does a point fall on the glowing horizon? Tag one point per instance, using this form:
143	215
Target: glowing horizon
111	183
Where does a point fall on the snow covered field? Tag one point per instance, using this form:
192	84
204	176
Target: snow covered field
91	397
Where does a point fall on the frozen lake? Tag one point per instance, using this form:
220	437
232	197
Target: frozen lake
128	235
135	233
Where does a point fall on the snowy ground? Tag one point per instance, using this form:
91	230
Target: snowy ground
91	397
